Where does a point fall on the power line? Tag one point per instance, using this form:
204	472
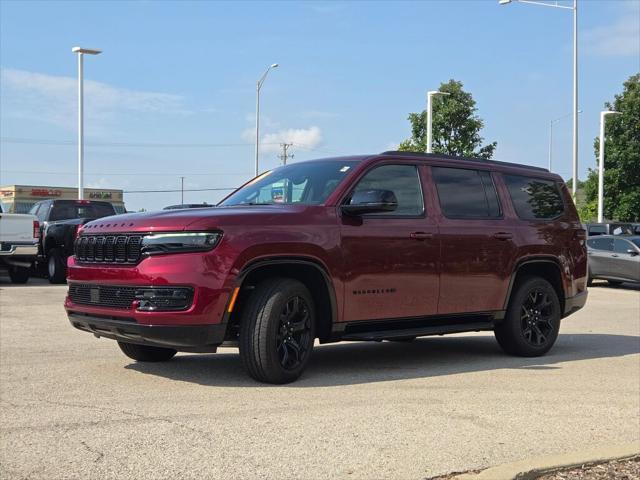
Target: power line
182	190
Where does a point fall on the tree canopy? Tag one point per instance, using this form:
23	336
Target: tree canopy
621	160
456	127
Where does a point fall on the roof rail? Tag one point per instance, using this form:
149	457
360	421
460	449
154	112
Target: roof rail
436	156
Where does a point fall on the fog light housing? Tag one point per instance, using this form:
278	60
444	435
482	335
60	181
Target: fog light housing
163	299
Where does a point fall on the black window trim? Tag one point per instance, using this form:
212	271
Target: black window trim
417	166
484	188
558	186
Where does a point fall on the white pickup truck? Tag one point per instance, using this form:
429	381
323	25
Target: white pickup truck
18	244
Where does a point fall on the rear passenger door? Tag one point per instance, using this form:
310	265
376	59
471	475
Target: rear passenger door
477	248
599	251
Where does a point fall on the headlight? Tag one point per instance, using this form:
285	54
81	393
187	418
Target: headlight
180	242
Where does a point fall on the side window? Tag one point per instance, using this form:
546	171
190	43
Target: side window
621	246
601	243
465	193
43	210
597	230
534	198
403	181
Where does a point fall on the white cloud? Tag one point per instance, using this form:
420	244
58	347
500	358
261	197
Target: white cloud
306	138
53	99
621	38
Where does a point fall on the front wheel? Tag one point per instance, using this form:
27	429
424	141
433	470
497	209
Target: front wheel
56	266
531	325
146	353
277	331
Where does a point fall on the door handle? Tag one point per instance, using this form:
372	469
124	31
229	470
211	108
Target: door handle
503	236
420	235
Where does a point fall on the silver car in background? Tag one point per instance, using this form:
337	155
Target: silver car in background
614	258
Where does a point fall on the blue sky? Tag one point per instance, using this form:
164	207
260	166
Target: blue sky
181	75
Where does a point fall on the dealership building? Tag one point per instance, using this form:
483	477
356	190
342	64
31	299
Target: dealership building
20	198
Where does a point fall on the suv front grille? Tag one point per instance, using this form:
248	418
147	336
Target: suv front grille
108	248
102	295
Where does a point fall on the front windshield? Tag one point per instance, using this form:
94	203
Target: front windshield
305	183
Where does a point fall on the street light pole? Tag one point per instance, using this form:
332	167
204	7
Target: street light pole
430	94
81	52
601	166
574	8
258	87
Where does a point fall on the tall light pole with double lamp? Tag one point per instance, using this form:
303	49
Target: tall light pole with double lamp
258	87
551	122
81	53
430	95
603	116
574	185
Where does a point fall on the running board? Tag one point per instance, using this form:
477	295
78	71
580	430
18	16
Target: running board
419	331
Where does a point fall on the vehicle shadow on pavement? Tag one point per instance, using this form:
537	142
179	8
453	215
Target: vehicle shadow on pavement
368	362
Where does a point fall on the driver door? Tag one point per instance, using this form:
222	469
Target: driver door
391	258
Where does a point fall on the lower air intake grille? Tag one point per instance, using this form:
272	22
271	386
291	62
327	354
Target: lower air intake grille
102	295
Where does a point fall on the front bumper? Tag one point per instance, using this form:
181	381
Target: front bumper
186	338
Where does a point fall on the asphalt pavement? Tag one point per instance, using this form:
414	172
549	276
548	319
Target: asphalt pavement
73	406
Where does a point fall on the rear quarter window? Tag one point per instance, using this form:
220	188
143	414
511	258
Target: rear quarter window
534	198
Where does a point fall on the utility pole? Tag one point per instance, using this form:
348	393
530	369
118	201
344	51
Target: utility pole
181	190
285	155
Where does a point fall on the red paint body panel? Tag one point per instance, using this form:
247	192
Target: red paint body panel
377	270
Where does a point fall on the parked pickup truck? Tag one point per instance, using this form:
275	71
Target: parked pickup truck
18	244
374	247
59	222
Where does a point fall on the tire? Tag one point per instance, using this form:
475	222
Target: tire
19	275
146	353
56	266
277	331
614	283
589	278
402	340
531	325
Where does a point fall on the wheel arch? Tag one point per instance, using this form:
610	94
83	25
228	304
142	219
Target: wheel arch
544	267
308	271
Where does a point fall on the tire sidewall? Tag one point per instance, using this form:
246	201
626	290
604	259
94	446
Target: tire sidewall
271	297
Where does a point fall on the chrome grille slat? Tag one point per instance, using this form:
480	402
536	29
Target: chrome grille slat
120	248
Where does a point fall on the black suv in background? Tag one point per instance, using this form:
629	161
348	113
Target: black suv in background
59	222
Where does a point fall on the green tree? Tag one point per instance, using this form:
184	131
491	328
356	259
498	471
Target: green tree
622	160
456	127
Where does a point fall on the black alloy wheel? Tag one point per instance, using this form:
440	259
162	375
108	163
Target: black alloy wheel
532	321
294	333
536	317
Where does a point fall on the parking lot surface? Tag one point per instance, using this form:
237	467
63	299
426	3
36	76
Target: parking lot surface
73	406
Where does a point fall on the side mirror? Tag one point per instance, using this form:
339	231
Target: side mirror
632	252
371	201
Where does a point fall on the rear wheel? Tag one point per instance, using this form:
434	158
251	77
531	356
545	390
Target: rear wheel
277	331
19	274
146	353
531	325
56	266
589	278
614	283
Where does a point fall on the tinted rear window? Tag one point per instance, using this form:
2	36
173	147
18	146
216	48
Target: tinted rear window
73	209
534	198
465	193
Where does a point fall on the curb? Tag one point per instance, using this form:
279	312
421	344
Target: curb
531	468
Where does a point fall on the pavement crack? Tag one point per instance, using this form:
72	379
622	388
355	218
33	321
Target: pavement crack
99	454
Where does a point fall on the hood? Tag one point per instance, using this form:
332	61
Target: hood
194	219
